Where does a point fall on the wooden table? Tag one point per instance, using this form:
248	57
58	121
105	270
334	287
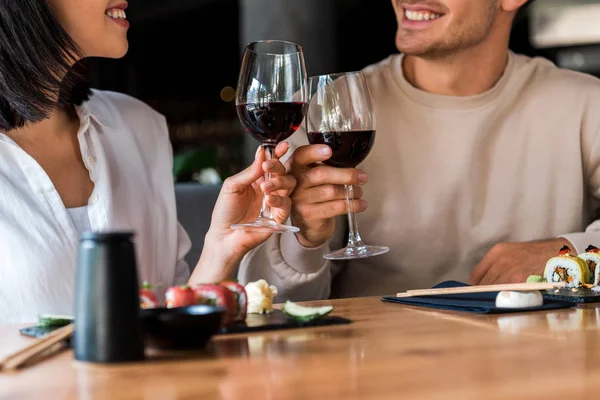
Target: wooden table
389	352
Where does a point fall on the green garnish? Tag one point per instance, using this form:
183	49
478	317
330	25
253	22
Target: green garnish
49	320
536	279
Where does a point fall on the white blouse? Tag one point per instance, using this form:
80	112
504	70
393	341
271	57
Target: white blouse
125	146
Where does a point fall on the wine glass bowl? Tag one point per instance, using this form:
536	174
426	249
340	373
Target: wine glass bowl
341	116
271	102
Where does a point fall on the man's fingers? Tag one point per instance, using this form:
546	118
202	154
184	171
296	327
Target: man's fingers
331	209
481	270
491	276
285	182
274	167
324	175
306	155
324	193
283	203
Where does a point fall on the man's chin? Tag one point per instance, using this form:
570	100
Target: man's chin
413	50
421	50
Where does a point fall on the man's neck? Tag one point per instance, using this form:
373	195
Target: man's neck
467	72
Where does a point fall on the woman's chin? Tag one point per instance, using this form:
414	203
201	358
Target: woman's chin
117	51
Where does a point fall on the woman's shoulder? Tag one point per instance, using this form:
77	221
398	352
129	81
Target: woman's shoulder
121	114
113	106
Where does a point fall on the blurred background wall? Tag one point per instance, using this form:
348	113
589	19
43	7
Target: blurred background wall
185	54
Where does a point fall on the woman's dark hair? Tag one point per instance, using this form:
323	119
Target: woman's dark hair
36	64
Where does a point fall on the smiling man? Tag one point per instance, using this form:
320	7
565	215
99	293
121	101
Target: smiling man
485	164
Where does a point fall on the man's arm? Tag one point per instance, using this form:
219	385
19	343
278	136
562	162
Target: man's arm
514	262
295	263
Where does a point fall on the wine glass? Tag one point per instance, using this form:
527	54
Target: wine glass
341	116
271	103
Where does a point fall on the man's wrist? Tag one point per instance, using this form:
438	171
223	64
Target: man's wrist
310	244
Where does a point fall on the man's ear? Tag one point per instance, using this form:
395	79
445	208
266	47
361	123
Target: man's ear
512	5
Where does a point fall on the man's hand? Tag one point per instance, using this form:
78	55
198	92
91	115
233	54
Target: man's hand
319	195
239	202
514	262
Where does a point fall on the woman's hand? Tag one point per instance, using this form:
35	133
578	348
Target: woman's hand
240	202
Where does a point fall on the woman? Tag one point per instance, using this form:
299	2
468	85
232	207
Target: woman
73	160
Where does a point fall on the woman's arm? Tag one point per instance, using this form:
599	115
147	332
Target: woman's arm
240	201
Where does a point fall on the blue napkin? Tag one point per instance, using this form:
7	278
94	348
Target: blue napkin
479	303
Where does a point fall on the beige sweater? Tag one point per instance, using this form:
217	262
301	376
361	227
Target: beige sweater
449	177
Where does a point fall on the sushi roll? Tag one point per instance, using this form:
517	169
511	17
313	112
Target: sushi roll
241	299
567	268
592	259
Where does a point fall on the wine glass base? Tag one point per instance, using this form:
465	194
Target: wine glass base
266	225
351	253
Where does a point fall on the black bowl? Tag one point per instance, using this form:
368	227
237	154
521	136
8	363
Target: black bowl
181	327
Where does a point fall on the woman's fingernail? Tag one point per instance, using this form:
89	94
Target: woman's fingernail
364	204
257	151
362	177
268	186
324	151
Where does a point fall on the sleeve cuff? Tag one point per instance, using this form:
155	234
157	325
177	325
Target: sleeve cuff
581	240
303	259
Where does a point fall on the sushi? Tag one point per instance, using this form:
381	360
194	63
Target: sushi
592	259
567	268
241	299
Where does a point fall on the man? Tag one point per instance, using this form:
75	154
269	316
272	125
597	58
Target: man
485	164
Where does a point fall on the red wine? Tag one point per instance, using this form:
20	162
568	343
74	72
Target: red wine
349	148
271	122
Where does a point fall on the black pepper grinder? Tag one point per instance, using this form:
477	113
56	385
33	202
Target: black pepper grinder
108	328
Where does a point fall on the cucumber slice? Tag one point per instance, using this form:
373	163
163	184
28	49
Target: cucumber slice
302	313
54	320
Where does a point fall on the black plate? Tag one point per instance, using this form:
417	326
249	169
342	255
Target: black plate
164	332
182	327
39	331
583	295
278	320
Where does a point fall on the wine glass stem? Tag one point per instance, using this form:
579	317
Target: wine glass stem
265	210
354	239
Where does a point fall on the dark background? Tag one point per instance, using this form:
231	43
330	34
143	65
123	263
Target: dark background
184	52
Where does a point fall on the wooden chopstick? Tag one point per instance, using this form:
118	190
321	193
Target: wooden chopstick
17	359
514	287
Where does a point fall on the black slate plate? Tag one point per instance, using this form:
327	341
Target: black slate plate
583	295
277	320
38	331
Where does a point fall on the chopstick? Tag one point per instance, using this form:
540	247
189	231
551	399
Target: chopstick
17	359
513	287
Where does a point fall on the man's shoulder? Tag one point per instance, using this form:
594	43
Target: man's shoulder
380	75
544	74
381	67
